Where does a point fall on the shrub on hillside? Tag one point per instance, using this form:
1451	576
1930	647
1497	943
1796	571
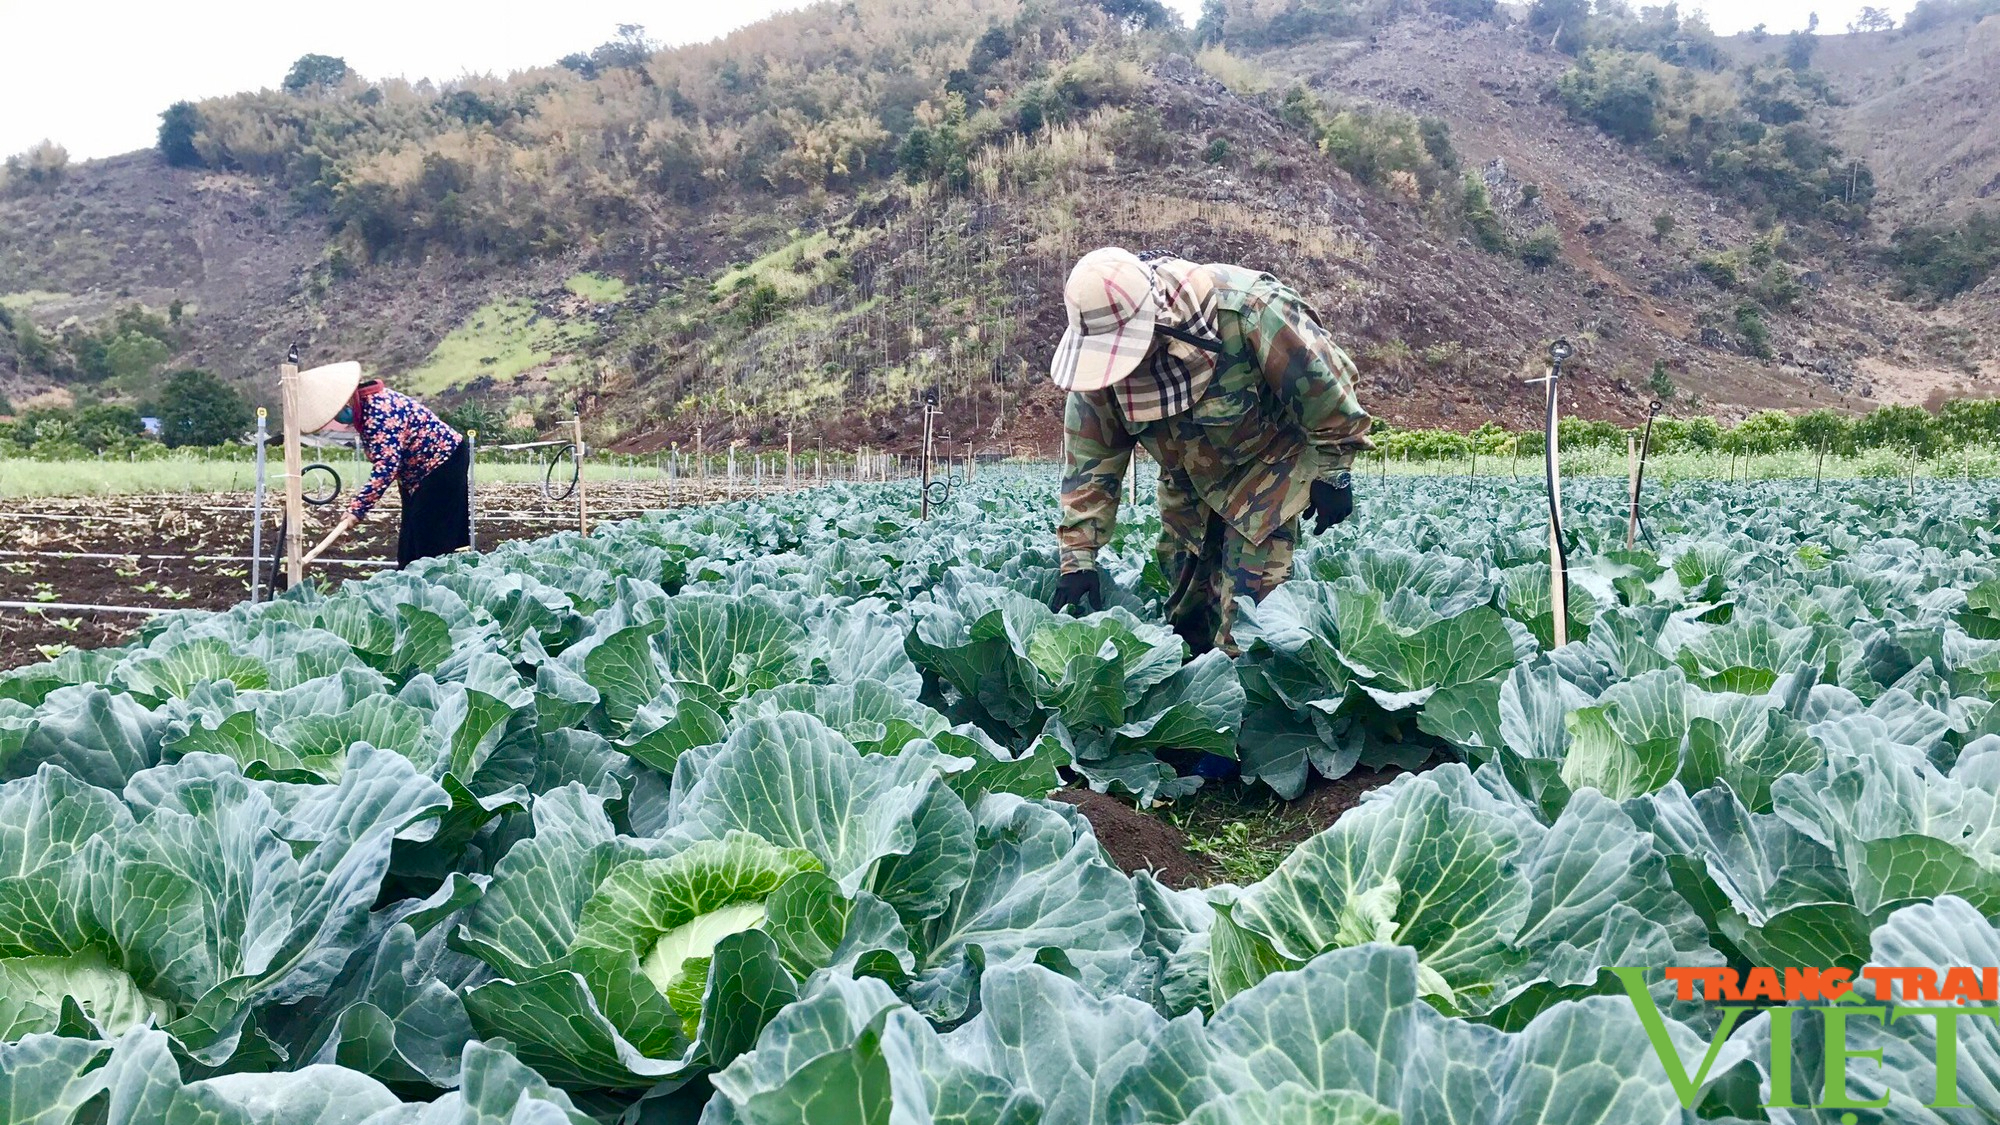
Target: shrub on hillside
1372	143
1543	248
1751	331
122	350
38	169
1435	132
1618	91
1142	135
1704	124
1663	32
1661	381
1942	260
1477	204
1778	288
178	126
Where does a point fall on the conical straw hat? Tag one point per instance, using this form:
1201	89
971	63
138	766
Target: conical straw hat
323	391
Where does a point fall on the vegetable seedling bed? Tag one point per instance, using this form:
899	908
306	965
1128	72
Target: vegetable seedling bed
159	552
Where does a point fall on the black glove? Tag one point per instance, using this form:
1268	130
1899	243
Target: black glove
1332	501
1078	589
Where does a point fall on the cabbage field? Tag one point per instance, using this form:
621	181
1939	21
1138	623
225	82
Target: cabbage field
737	815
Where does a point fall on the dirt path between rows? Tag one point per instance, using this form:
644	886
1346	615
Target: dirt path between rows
1193	843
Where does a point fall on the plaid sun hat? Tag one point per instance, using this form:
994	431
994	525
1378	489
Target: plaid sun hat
1174	376
1112	310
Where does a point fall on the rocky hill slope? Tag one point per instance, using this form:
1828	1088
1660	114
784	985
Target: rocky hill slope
826	305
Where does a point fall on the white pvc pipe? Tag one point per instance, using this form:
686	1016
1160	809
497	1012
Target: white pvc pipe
88	608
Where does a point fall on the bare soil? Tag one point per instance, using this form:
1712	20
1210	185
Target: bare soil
1138	841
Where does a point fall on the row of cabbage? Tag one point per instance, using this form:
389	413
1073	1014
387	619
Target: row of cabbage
736	814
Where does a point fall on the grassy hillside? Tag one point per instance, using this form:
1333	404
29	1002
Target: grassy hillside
808	224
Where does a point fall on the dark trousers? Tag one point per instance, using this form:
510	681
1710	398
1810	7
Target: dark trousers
437	513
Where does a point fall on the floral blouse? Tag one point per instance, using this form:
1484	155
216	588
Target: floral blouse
403	439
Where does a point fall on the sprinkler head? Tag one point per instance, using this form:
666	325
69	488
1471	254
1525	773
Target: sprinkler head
1561	350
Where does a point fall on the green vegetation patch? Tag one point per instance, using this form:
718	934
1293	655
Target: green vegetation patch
502	341
598	288
793	270
18	302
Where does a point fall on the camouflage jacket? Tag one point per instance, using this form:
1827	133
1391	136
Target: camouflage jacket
1279	413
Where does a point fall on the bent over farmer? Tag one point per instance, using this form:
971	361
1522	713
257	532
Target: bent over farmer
405	443
1229	380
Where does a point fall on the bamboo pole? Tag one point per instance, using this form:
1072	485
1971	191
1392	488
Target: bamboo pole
582	509
1632	486
257	505
924	464
471	491
791	475
295	501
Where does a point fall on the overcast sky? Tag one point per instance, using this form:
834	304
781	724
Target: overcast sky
94	76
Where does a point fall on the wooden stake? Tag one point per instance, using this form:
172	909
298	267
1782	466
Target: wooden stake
791	479
295	500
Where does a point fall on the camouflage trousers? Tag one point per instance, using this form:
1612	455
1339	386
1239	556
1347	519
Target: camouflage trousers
1211	564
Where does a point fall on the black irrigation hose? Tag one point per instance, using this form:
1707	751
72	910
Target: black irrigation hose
1639	485
279	579
1558	352
938	491
317	499
549	475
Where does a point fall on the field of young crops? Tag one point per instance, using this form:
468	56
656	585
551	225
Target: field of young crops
737	815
